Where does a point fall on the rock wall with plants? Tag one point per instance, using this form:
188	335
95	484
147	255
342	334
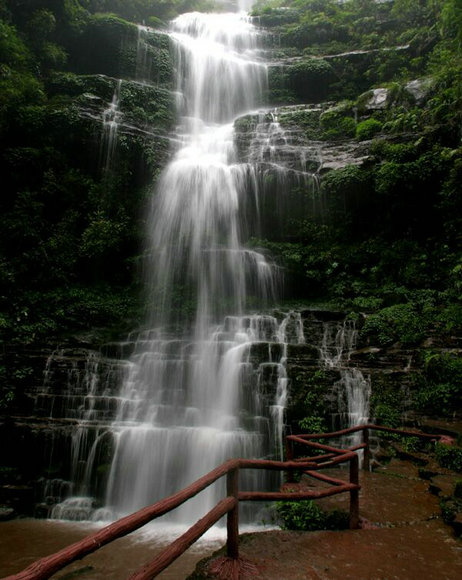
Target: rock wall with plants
367	104
367	90
84	130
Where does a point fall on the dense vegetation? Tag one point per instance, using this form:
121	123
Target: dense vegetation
71	225
388	235
387	240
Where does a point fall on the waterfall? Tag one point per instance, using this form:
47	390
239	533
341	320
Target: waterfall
198	389
111	121
353	388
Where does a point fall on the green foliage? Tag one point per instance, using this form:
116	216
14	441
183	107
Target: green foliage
141	10
338	122
387	415
449	456
102	235
440	392
310	78
148	105
270	17
306	119
367	129
399	323
313	425
345	181
65	224
6	398
451	318
307	516
106	45
388	402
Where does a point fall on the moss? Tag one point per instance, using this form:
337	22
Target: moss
306	120
143	104
73	85
367	129
309	79
107	45
338	122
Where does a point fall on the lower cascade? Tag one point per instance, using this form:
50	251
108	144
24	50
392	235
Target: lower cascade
208	381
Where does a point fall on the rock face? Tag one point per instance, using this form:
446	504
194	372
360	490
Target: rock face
297	141
72	396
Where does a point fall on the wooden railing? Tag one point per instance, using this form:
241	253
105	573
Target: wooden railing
332	456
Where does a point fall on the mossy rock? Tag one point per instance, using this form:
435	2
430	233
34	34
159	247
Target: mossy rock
338	122
145	104
73	85
107	45
310	79
306	120
279	91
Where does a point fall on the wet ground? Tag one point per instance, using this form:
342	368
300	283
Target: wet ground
404	537
24	541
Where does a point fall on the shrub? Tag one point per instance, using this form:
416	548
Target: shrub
310	78
398	323
441	392
313	425
307	516
367	129
449	457
338	122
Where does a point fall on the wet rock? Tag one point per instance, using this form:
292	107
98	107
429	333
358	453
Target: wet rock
261	352
6	513
457	524
120	350
377	99
303	353
323	315
419	89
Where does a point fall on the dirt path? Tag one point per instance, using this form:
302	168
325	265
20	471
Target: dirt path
405	538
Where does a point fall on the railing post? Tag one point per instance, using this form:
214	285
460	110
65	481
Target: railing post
290	457
367	453
232	489
354	493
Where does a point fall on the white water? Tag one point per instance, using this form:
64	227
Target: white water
197	396
353	388
111	120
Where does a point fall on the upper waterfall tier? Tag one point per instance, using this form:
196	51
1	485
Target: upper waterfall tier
219	74
197	218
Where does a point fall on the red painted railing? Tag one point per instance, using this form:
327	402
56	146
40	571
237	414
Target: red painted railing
46	567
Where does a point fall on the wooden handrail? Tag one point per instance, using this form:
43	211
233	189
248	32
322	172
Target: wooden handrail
367	426
47	566
181	544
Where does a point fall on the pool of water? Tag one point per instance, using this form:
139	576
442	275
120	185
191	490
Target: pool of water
23	541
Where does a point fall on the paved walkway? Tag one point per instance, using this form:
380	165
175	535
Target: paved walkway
404	538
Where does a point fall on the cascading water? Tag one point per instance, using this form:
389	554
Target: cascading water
197	396
353	388
111	120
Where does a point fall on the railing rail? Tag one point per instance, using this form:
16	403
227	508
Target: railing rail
46	567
